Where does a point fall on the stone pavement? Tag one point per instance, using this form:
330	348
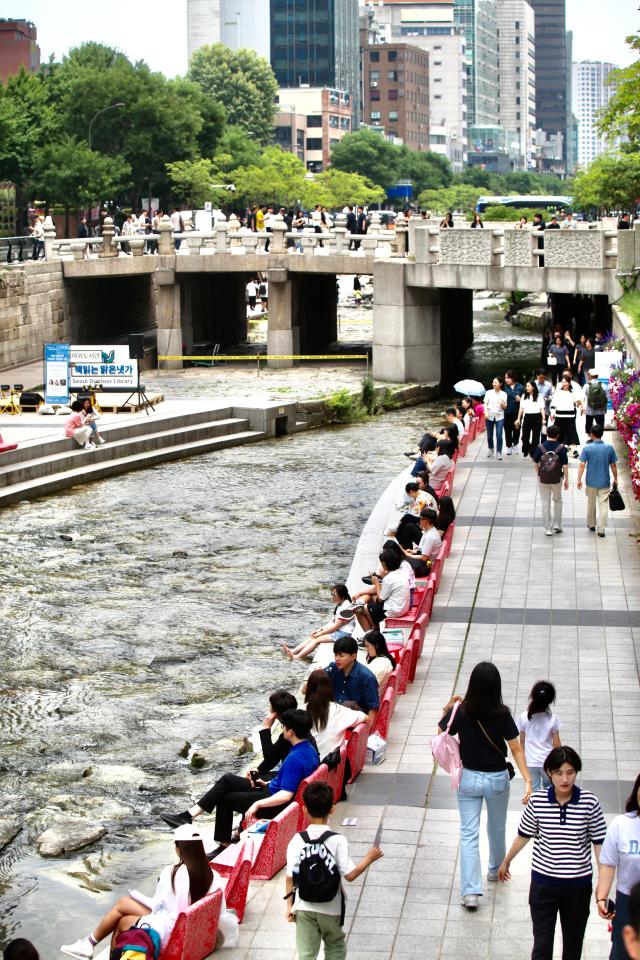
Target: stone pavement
565	608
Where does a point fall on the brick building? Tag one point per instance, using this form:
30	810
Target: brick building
310	121
396	92
18	48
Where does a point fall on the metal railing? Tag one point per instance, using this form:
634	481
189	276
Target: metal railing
13	249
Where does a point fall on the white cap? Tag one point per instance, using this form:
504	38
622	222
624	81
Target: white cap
187	831
593	372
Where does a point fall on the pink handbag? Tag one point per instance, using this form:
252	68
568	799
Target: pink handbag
446	752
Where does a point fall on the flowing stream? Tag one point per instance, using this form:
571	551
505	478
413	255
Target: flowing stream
160	620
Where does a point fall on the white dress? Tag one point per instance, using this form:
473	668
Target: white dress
167	903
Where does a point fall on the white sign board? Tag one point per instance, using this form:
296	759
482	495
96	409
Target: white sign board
204	221
102	366
604	360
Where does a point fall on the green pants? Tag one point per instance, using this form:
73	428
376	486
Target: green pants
314	928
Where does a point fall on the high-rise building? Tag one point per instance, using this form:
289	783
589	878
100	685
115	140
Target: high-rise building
551	77
18	48
517	84
431	27
571	147
236	23
310	122
478	21
396	92
591	93
316	43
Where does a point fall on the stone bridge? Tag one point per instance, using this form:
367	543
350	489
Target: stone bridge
193	288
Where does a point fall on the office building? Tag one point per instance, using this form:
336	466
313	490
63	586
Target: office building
478	20
18	48
591	93
310	121
551	79
517	65
396	92
316	43
431	27
236	23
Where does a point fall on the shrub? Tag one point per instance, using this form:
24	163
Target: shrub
343	407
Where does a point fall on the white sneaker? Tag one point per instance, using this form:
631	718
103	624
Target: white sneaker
88	446
100	439
489	453
499	456
80	950
548	533
509	451
470	901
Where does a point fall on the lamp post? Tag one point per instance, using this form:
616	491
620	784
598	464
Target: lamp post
112	106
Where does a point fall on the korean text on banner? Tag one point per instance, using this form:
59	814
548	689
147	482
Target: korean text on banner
56	373
102	366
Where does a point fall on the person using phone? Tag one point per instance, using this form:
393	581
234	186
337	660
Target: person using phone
620	853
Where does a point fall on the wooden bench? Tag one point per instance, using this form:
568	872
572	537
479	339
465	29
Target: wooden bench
194	934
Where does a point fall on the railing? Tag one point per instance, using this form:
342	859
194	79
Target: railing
14	249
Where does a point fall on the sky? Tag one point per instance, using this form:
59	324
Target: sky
156	30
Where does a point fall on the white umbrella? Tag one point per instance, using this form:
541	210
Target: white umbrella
471	388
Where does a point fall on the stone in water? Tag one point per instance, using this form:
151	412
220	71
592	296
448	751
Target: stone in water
67	836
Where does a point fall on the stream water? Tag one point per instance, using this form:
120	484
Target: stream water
117	650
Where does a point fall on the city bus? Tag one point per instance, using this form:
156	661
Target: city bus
543	203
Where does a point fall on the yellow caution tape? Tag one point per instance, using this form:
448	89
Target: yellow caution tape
269	356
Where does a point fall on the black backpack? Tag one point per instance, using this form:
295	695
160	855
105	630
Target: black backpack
549	466
596	396
318	878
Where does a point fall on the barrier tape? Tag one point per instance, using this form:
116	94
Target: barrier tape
270	356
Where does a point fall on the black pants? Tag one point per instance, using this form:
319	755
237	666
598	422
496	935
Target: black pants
572	903
232	794
592	418
511	432
531	427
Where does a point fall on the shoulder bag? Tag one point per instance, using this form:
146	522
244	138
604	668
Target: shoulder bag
615	499
510	769
446	752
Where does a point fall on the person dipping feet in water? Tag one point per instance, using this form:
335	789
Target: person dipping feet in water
342	625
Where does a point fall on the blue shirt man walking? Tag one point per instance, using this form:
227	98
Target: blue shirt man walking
598	458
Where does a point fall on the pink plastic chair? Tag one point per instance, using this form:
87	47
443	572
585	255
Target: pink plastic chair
404	668
387	707
195	931
236	885
448	537
335	777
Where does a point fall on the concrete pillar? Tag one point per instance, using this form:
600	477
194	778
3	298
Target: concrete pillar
168	320
186	314
166	243
406	327
283	333
49	237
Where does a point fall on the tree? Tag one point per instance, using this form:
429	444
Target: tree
75	176
612	182
335	188
425	170
234	150
242	82
459	196
279	177
368	154
621	116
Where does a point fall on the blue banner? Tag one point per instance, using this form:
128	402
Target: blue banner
56	373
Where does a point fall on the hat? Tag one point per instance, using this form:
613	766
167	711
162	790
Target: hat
593	372
187	831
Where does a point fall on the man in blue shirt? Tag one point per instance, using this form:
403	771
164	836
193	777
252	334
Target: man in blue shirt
354	685
598	458
514	391
252	796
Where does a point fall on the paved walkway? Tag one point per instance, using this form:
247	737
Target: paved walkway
565	608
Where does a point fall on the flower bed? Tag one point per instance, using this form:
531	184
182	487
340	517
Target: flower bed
624	390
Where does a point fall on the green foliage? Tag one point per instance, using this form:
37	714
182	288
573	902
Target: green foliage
459	196
279	177
242	82
373	157
426	170
343	407
621	116
388	400
75	175
368	396
612	182
511	214
630	304
192	182
235	149
335	188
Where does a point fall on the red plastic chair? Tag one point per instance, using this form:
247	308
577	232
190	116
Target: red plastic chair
387	707
236	885
411	655
448	537
335	777
5	447
405	667
272	853
463	445
445	489
419	631
357	749
473	426
194	934
320	775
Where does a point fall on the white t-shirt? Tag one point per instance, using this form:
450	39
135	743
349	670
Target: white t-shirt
167	903
347	626
493	409
394	592
252	289
410	572
529	405
337	846
538	734
340	720
440	468
459	425
382	669
621	849
430	544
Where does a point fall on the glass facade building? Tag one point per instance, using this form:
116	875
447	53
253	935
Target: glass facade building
316	42
551	68
477	18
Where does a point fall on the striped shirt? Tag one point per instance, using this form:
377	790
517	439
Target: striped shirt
563	836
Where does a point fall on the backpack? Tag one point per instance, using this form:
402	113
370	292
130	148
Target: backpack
318	879
446	752
142	942
549	467
596	396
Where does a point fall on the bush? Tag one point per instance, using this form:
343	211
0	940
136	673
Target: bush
511	214
368	396
343	407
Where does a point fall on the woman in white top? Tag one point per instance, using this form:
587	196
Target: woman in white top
620	852
564	404
388	597
342	625
178	887
538	728
495	403
441	465
532	417
330	720
379	660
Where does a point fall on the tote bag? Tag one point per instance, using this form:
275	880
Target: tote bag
446	752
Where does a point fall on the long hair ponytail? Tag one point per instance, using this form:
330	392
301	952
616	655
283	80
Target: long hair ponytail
318	698
193	857
541	697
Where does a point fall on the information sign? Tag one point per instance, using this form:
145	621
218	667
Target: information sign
102	366
56	373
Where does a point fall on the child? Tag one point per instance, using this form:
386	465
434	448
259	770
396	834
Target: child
318	922
538	728
342	625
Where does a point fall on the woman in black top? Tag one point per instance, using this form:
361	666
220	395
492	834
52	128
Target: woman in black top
485	728
446	515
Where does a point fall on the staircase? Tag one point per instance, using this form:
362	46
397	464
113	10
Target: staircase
43	467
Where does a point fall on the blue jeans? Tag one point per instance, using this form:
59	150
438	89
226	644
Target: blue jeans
475	787
499	429
621	919
539	779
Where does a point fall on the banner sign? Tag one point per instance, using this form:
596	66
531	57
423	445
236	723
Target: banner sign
56	373
102	366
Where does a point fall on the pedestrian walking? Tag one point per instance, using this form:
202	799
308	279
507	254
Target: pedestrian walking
564	822
495	404
552	464
595	401
531	415
631	933
558	358
514	392
252	293
598	458
539	728
564	406
620	853
485	728
545	390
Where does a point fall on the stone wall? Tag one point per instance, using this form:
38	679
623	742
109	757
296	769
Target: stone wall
622	326
32	310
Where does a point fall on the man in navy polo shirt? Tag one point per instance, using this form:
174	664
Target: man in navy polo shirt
598	457
354	685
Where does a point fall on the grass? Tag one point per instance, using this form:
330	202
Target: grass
630	303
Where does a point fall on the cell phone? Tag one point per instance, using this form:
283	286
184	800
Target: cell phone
611	906
253	776
378	836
